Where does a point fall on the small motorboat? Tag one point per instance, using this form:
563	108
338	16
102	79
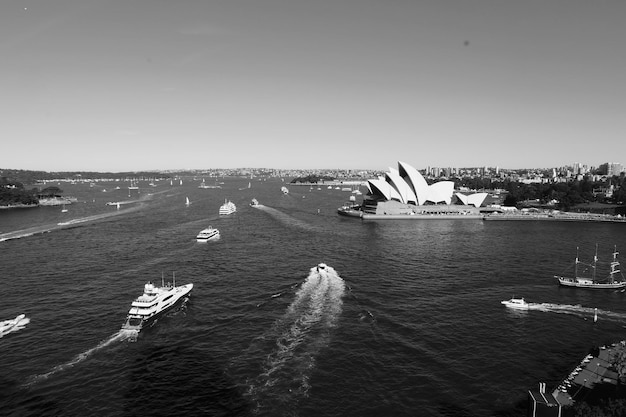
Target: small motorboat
17	323
516	303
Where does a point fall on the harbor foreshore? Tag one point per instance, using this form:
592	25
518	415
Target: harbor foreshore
601	366
560	216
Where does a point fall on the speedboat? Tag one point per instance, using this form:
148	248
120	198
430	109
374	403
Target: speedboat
207	234
254	202
228	208
321	267
8	325
154	301
517	303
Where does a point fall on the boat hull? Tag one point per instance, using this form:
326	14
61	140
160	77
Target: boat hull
570	282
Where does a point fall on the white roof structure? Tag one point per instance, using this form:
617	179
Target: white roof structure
473	199
408	186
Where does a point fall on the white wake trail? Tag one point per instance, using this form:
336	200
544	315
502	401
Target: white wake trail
300	334
577	310
119	336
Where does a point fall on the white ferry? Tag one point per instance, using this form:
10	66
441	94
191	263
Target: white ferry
208	234
154	301
228	208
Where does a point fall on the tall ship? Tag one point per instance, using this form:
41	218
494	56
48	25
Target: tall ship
153	302
227	208
585	275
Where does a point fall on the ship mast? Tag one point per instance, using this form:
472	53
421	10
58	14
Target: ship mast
614	264
595	261
576	264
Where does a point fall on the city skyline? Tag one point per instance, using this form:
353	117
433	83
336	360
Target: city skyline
113	86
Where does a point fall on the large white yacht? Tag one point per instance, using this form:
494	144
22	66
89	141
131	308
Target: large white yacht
154	301
208	234
228	207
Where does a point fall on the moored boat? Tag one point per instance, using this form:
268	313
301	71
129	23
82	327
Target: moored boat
208	234
615	279
153	302
516	303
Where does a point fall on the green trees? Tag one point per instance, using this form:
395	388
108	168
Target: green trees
13	193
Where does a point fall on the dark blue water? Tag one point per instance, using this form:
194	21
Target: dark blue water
407	322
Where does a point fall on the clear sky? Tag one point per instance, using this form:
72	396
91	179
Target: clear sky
127	85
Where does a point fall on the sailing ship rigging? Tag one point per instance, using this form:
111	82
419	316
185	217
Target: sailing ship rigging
615	279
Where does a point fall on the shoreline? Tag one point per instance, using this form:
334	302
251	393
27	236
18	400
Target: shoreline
18	206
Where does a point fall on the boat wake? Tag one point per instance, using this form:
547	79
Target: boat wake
297	338
578	310
13	325
286	219
121	335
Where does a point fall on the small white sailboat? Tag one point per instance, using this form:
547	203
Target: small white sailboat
187	202
64	209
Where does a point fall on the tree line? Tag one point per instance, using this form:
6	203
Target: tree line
566	194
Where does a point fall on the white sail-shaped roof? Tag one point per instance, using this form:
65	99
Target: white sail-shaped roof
475	200
441	192
415	180
404	190
380	187
408	186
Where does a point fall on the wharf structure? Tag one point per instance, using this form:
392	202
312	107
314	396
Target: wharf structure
403	193
604	365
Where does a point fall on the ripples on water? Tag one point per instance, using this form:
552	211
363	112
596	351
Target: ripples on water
407	321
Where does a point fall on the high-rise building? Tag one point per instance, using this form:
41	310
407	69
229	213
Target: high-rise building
613	168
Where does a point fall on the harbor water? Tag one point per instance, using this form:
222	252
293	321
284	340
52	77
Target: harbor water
407	321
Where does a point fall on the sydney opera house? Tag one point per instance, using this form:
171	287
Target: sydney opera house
404	193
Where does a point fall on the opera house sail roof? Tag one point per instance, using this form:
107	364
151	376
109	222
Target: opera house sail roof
404	191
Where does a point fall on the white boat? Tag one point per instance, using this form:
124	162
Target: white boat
203	185
64	210
227	208
254	202
154	301
7	326
284	190
207	234
187	202
133	186
615	279
516	303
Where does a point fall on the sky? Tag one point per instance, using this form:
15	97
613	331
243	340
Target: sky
130	85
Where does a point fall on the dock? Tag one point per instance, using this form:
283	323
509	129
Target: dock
593	369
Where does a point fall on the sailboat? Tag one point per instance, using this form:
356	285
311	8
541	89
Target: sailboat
63	210
615	280
187	202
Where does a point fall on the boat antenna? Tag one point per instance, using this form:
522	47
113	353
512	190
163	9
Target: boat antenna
162	280
174	279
